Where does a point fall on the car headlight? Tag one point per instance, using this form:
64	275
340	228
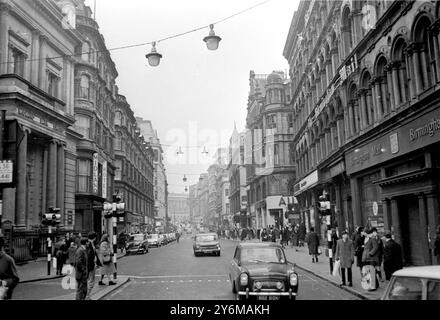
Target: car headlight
218	246
244	279
197	247
293	279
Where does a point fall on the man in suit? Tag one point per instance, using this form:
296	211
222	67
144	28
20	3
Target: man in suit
392	256
345	253
81	272
91	264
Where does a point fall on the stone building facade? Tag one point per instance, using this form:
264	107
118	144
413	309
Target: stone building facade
36	91
364	81
270	169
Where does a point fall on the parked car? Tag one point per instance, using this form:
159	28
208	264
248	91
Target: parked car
154	240
206	243
163	240
137	243
415	283
261	270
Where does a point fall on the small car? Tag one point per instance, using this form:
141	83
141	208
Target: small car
414	283
206	243
154	240
260	270
137	243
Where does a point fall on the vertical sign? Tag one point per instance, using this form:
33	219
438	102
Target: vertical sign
104	180
95	173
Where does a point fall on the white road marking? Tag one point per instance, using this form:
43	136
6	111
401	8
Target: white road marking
177	276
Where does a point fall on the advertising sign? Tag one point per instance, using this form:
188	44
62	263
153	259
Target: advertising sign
95	173
6	171
306	183
104	180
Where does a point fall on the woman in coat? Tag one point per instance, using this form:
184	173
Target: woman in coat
106	258
359	244
345	254
312	240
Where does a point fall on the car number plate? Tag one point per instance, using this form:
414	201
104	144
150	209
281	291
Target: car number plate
268	298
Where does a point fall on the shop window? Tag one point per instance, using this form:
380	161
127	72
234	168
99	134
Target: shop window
371	196
406	167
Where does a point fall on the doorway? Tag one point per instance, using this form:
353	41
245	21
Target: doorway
97	222
411	233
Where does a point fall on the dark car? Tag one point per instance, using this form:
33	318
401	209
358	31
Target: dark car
260	270
137	243
206	243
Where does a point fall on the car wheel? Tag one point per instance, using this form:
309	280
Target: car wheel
218	254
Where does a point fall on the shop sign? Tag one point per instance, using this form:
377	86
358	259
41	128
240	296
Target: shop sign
417	134
375	208
95	172
308	182
6	171
278	202
104	180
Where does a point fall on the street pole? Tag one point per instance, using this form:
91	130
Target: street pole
49	250
115	245
2	137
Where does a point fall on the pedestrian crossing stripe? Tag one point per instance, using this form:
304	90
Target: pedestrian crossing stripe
181	281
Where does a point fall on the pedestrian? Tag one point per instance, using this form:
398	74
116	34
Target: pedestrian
312	241
264	235
345	254
359	244
301	234
92	262
81	272
284	236
122	240
437	245
371	253
105	256
71	253
277	234
392	256
177	237
294	237
61	256
243	234
8	272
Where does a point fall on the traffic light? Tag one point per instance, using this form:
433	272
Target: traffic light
52	218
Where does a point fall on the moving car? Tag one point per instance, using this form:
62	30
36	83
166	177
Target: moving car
415	283
206	243
154	240
261	270
137	243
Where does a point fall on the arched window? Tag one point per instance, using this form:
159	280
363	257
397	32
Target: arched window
347	34
84	88
367	103
380	91
423	54
85	53
353	110
399	72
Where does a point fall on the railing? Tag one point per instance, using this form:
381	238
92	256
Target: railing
30	245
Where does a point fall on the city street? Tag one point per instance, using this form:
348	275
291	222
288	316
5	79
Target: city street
173	272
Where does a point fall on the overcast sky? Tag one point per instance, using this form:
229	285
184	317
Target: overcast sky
194	96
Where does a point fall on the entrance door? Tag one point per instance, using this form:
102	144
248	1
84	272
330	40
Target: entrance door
97	222
411	231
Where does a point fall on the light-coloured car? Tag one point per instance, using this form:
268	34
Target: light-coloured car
415	283
154	240
206	243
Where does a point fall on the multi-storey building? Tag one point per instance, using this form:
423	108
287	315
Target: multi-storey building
36	91
222	208
134	170
178	208
160	179
270	170
365	76
95	99
200	201
237	181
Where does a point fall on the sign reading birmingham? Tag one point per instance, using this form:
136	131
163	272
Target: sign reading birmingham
428	129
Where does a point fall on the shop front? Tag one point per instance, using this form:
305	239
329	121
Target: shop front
395	184
307	198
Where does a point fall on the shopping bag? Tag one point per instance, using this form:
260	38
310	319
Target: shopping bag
337	268
3	292
319	251
368	281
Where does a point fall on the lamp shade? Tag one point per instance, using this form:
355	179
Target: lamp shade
153	57
212	41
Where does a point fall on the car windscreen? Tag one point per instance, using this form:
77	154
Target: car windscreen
153	236
205	238
137	237
264	255
404	288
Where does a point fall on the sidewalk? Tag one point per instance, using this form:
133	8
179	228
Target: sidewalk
303	260
37	270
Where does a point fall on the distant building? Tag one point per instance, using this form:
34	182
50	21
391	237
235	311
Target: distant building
178	208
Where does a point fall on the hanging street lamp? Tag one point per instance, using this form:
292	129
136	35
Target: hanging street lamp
185	179
153	57
205	152
180	152
212	41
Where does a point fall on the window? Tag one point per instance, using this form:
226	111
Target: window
118	141
86	52
98	134
118	118
52	84
406	289
118	171
433	290
84	176
18	60
226	192
84	88
290	120
82	125
271	121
